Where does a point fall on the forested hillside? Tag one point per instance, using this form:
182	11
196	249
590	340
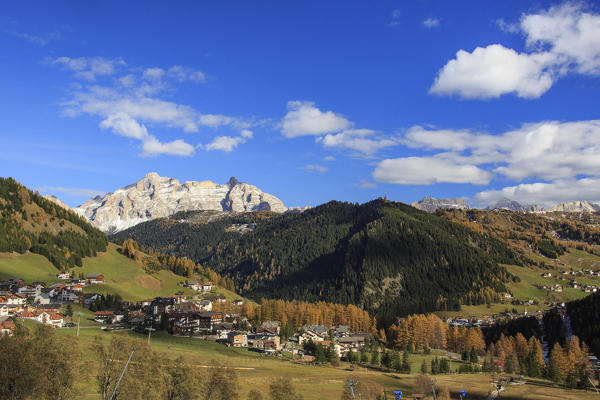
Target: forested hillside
585	320
384	256
30	222
548	234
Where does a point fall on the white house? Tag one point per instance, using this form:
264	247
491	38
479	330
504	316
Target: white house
205	305
68	296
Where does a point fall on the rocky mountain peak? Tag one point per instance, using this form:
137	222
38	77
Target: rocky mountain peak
233	181
512	205
430	204
154	196
576	206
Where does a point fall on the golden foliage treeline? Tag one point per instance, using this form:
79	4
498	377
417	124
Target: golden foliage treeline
300	313
422	331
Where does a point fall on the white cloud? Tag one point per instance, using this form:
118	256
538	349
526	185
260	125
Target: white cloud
183	74
365	184
78	192
546	150
569	32
40	41
153	74
303	118
214	120
224	143
545	194
130	104
495	70
332	130
246	133
151	147
127	80
431	22
562	39
364	141
427	171
89	67
124	125
316	168
507	26
329	158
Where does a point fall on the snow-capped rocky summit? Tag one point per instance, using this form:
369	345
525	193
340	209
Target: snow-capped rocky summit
430	204
154	197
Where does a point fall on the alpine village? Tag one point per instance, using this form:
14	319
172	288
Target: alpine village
300	200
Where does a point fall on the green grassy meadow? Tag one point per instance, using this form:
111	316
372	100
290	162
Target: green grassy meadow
30	267
255	371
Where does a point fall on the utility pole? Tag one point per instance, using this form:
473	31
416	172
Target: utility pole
122	373
594	386
433	389
149	332
351	383
78	322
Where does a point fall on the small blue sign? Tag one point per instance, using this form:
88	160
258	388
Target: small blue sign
398	394
463	393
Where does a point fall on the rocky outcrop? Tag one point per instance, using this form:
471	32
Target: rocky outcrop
576	206
507	204
157	197
430	204
56	200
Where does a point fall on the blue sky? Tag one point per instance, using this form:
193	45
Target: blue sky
310	101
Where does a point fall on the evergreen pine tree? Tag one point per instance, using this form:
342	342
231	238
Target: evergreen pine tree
405	362
473	356
386	359
375	358
396	361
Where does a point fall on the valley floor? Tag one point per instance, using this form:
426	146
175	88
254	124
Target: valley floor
255	371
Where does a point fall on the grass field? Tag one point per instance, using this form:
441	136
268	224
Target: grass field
123	275
30	267
255	371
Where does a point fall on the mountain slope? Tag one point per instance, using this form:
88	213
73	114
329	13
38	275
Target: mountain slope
384	256
123	275
30	222
156	197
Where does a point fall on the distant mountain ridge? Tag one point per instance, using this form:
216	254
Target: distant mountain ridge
576	206
430	205
154	197
507	204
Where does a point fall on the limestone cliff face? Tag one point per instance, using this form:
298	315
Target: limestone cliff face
157	197
430	205
507	204
576	206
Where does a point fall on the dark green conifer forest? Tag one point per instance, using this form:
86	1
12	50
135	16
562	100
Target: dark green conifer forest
30	222
384	256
